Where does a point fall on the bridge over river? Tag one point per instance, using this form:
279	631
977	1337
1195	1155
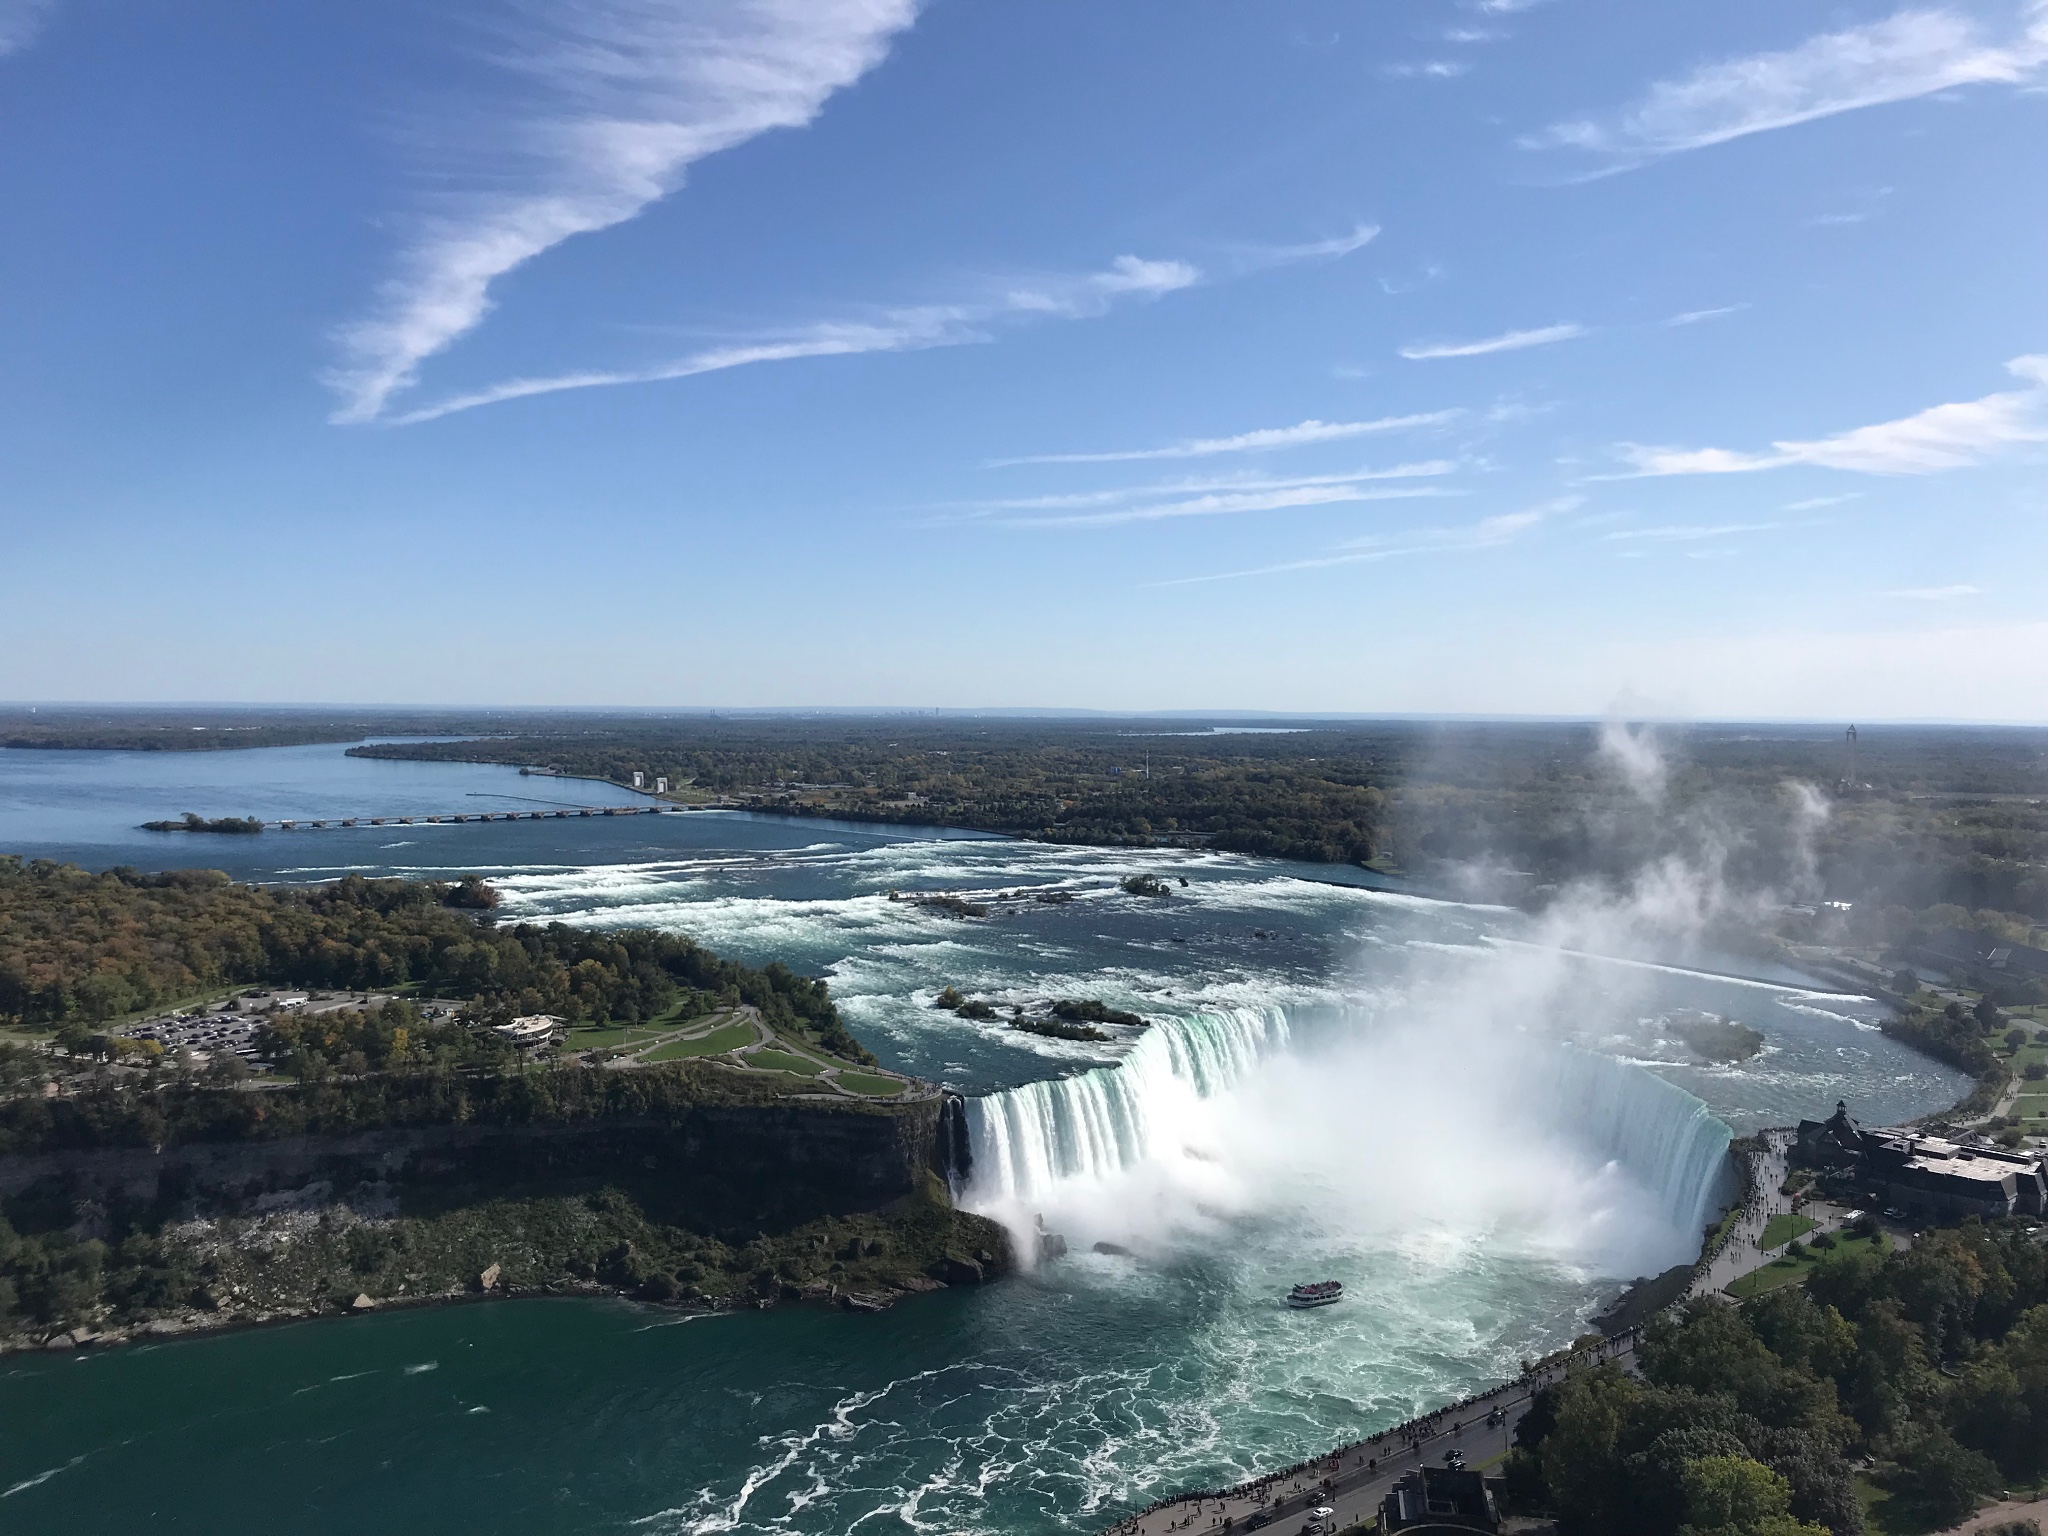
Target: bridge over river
302	824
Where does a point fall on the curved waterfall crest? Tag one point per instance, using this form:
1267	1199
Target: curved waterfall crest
1665	1137
1025	1142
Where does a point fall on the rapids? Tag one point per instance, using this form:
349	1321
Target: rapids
1482	1138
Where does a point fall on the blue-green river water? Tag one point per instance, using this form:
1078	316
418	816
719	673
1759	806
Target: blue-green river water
1342	1082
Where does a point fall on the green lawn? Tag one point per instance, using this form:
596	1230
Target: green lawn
729	1038
589	1037
868	1083
1781	1229
783	1061
672	1018
1790	1271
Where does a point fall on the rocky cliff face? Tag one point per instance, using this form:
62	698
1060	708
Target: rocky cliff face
716	1204
717	1167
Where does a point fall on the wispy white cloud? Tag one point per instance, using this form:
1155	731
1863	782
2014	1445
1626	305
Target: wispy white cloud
1225	503
1091	293
1331	249
1264	439
1695	316
1427	69
618	99
897	330
21	21
1474	35
1952	436
1815	503
1193	486
1909	54
1934	594
1430	273
1685	533
1509	341
1489	533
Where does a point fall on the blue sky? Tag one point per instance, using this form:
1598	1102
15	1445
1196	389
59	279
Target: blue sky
1490	356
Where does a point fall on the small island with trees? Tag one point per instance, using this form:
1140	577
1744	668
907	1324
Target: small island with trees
192	821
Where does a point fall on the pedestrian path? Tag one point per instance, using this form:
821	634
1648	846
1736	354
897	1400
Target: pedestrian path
1351	1481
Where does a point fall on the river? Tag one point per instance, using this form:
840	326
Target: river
1481	1135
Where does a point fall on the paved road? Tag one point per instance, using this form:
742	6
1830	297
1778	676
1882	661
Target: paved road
1354	1480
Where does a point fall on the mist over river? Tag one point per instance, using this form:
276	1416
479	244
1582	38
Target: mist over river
1482	1136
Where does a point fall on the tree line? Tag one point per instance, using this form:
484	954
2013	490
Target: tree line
1931	1361
86	948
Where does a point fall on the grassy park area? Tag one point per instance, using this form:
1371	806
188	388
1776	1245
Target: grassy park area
1783	1227
731	1038
727	1037
1790	1270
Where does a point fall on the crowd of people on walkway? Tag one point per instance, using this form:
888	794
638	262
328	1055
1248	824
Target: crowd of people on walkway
1319	1475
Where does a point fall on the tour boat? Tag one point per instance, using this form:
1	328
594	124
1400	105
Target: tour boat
1321	1294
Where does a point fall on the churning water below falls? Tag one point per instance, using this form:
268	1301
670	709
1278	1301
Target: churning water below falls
1481	1137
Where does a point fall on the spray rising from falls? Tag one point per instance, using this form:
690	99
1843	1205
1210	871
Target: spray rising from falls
1659	1134
1252	1114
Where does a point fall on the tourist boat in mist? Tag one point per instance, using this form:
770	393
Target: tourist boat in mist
1321	1293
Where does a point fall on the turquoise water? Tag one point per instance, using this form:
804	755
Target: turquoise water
1341	1081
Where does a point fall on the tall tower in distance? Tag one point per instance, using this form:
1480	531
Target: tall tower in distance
1849	779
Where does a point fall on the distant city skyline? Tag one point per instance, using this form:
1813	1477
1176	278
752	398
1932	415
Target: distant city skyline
1450	357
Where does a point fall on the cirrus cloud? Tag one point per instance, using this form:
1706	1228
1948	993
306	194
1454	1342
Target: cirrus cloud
1508	341
1952	436
892	330
1910	54
1262	440
617	99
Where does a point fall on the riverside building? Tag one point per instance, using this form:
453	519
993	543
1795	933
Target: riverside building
1928	1175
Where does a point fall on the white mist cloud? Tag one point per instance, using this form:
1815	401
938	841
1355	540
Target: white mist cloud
1633	752
1910	54
1952	436
618	99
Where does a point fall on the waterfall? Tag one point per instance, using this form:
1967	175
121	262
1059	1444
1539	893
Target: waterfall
1024	1143
1666	1139
1026	1140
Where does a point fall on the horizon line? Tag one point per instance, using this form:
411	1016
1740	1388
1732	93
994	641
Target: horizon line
1025	712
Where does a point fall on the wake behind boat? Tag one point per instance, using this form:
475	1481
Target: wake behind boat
1322	1293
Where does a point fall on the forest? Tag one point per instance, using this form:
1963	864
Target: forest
1954	817
80	949
1928	1366
1918	820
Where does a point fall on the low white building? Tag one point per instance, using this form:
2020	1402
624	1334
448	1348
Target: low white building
532	1029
